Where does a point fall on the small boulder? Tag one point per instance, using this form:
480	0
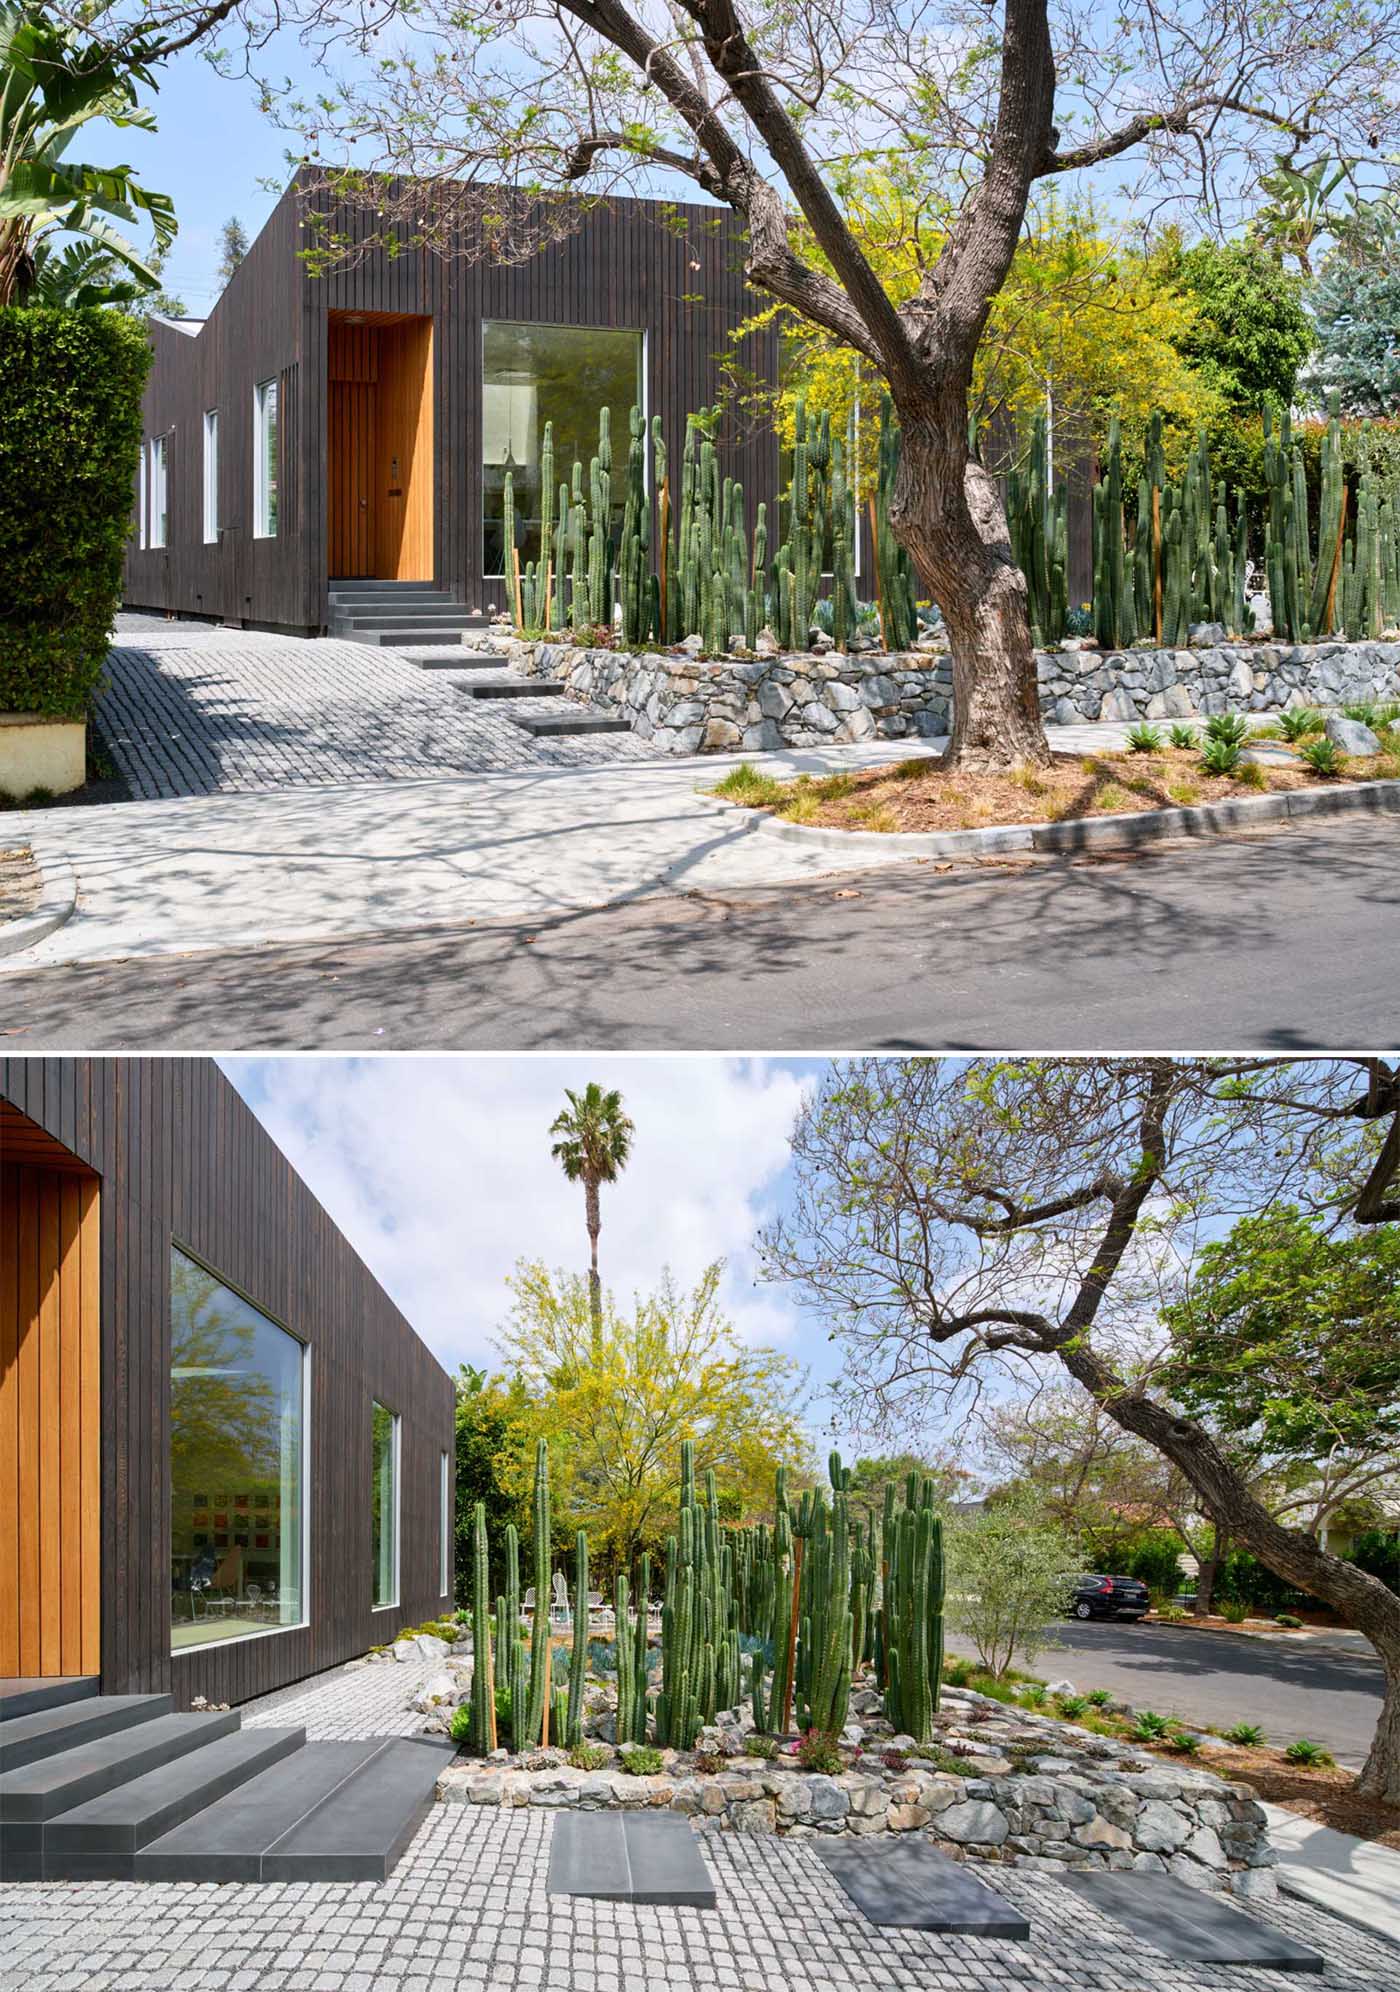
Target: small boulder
1352	737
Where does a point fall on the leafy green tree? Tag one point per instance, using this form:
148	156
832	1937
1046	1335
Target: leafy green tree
1010	1576
52	84
1290	1333
492	1413
233	247
1356	305
1250	333
595	1141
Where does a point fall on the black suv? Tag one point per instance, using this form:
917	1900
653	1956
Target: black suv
1108	1597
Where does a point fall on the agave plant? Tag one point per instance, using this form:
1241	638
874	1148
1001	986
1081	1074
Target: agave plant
50	87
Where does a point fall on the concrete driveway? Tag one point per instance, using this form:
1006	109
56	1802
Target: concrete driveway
1221	1678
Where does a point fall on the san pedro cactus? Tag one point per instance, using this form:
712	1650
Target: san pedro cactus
483	1687
572	1731
911	1609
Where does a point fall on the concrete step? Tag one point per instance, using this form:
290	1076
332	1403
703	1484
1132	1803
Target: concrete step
39	1791
31	1695
361	1830
227	1841
550	726
470	660
402	637
403	615
30	1737
98	1841
513	688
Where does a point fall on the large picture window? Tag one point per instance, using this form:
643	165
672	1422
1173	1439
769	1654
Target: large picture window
265	460
533	374
237	1459
384	1510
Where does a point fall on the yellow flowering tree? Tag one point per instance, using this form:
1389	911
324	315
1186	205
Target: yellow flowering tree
614	1407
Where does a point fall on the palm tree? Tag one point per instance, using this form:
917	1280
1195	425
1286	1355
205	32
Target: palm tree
595	1140
50	87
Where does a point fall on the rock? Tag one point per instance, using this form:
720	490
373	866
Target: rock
693	646
1205	635
908	1818
422	1646
766	644
1159	1829
1352	737
821	643
754	1815
719	734
974	1823
1204	1845
774	700
827	1799
1060	1688
1100	1832
1117	705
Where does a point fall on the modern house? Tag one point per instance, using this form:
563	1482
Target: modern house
329	451
225	1464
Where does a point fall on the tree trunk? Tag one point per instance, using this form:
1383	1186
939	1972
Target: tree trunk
948	513
593	1217
1210	1571
1357	1597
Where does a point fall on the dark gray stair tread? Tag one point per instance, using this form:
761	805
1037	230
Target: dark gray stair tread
404	637
370	612
56	1784
551	723
629	1857
227	1840
909	1885
513	688
31	1694
360	1831
125	1818
1189	1925
30	1737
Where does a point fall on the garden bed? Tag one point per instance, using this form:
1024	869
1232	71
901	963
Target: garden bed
920	796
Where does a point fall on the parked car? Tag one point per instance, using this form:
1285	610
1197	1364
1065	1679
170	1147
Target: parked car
1108	1597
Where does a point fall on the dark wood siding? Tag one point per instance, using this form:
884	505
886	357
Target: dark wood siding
184	1161
674	271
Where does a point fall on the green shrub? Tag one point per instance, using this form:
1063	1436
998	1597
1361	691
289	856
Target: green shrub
460	1728
1298	725
1149	1726
1144	739
1377	1551
641	1761
1324	757
1155	1559
1184	736
1185	1741
1364	710
1172	1614
958	1672
1247	1733
70	436
820	1752
589	1756
1220	757
1231	728
1310	1755
1099	1697
1289	1619
760	1746
1071	1707
1232	1611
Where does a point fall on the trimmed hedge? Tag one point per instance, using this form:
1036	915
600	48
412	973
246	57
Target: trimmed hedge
70	437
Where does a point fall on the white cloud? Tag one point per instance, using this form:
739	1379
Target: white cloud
438	1171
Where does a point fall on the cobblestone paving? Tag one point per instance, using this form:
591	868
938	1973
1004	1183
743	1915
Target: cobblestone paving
467	1907
195	710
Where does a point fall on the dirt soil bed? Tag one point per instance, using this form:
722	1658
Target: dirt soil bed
920	795
1329	1797
19	882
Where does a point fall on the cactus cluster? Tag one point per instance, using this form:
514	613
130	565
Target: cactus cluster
1036	516
1338	583
700	1616
909	1624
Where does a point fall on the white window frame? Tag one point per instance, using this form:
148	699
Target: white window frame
160	493
444	1528
141	496
211	476
264	469
391	1604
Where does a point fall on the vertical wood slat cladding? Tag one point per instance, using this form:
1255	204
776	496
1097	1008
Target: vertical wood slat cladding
183	1161
50	1564
672	270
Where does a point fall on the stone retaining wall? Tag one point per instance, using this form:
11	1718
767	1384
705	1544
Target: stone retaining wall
687	705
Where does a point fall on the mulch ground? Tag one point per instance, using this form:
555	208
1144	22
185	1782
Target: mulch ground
19	883
920	795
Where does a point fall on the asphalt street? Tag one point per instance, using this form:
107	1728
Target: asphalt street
1287	939
1223	1678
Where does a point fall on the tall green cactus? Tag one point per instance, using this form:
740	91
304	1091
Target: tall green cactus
572	1731
540	1649
911	1609
483	1692
827	1621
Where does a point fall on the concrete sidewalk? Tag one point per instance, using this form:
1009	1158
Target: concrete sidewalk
1351	1878
196	873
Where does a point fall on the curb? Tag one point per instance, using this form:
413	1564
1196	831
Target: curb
1084	833
58	896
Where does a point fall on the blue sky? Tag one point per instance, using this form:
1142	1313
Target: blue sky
439	1172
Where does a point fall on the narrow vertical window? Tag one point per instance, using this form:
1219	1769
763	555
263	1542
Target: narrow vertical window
141	498
384	1505
445	1526
159	518
265	460
211	476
